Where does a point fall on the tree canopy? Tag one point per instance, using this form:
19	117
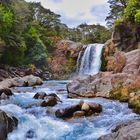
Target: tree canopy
122	10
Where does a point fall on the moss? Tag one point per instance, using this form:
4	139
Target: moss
120	93
104	61
119	22
135	104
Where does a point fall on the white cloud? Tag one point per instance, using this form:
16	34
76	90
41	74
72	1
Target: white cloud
73	9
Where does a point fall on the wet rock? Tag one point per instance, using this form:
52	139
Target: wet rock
96	108
7	124
50	101
78	114
79	110
67	112
85	107
5	93
3	96
30	134
126	132
55	96
40	95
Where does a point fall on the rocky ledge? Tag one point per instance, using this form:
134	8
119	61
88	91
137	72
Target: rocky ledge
8	72
130	131
21	81
122	82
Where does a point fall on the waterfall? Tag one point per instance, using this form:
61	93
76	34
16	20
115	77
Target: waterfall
91	59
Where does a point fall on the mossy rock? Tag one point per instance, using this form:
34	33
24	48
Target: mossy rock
135	105
134	102
120	93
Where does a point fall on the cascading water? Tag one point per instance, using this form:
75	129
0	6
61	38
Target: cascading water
91	59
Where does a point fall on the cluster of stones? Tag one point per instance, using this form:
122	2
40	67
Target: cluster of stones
83	109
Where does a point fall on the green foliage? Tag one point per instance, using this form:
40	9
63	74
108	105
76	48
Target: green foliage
137	17
37	55
132	11
28	31
124	10
116	10
119	22
6	20
89	34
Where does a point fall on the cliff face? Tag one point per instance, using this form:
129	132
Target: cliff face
126	36
62	62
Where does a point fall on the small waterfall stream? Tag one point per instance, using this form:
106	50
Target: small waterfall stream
91	59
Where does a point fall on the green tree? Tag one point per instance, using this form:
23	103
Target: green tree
6	21
116	10
132	11
36	52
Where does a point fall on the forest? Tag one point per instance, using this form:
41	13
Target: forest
28	31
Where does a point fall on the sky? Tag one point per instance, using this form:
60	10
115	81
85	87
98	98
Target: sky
75	12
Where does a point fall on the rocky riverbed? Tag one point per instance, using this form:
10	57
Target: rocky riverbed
43	123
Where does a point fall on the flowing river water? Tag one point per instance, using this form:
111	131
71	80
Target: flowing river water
40	123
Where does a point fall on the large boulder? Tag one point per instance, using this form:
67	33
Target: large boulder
27	81
128	132
21	81
99	85
7	124
67	112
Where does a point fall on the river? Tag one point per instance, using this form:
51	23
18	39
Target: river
40	123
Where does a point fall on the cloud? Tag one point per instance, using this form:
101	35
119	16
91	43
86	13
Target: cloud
74	12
